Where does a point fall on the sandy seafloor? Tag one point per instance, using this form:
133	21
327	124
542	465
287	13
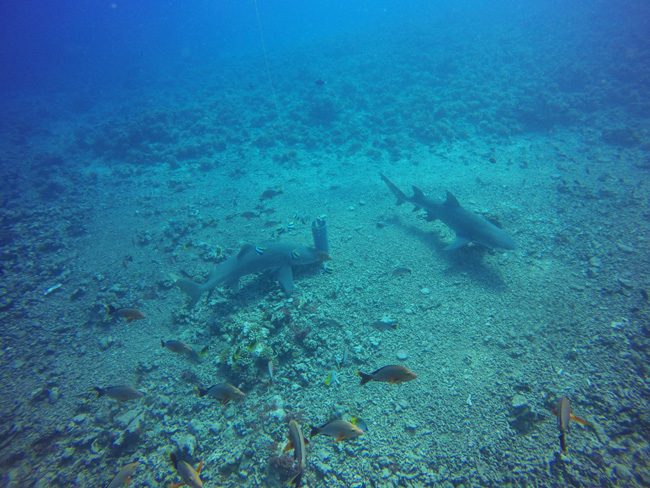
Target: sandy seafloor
113	199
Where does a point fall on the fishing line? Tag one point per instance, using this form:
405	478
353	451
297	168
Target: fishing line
266	61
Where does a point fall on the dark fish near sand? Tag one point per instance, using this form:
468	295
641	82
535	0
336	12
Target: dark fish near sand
393	373
271	193
189	476
224	392
297	442
121	393
564	416
130	314
339	429
180	347
123	477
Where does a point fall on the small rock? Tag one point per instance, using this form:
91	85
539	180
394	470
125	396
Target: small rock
402	355
625	248
106	342
53	394
595	262
425	291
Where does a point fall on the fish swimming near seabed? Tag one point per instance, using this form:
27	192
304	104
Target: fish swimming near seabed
121	393
179	347
124	475
564	416
224	392
189	476
393	373
339	429
297	442
468	226
279	257
129	314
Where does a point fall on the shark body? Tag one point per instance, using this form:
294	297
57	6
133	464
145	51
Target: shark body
468	226
278	257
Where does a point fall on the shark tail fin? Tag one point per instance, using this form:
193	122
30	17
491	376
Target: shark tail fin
399	194
193	290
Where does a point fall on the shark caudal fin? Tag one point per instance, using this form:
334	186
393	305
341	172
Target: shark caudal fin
399	194
193	290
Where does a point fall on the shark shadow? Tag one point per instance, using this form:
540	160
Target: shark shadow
467	260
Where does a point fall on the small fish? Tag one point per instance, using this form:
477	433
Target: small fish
271	193
332	378
123	477
343	360
249	214
339	429
52	289
320	82
297	442
359	423
269	367
564	416
189	476
180	347
121	393
384	324
224	392
130	314
393	373
401	271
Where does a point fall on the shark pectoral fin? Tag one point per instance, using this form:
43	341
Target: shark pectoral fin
193	290
459	242
285	277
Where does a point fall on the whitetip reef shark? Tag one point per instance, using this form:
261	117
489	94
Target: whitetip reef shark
278	257
468	226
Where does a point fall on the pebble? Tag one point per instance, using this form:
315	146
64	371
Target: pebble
625	248
53	394
402	355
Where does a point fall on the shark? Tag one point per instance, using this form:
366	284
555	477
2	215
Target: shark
277	257
468	226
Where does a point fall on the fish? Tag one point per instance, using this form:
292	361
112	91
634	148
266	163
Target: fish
343	360
297	442
393	373
564	416
468	226
320	82
339	429
279	257
271	193
180	347
224	392
269	367
401	271
332	378
130	314
189	476
121	393
385	323
124	475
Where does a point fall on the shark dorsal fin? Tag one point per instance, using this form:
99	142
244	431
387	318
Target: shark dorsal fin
451	201
417	193
245	249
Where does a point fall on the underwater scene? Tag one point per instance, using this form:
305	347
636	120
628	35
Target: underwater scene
270	243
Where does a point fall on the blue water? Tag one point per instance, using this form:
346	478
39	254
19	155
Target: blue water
145	144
